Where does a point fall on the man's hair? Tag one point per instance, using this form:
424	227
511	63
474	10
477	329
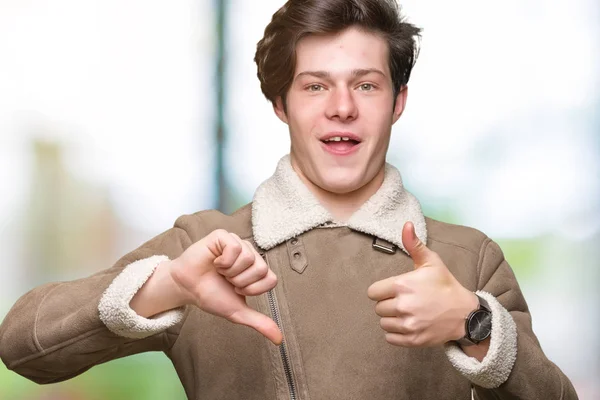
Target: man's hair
276	52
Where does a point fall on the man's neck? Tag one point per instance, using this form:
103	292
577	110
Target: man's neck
343	205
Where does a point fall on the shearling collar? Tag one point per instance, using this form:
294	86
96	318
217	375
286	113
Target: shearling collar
283	207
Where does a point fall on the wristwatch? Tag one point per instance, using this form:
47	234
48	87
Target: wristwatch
478	324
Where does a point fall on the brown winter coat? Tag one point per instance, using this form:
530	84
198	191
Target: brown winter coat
333	345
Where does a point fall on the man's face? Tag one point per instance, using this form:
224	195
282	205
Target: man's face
342	88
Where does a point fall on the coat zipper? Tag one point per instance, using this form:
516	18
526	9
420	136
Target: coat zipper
287	366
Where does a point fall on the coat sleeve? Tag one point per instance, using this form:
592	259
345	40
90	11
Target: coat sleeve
57	331
515	366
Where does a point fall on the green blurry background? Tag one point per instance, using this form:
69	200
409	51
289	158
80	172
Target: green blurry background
117	117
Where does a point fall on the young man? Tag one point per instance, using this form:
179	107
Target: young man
333	261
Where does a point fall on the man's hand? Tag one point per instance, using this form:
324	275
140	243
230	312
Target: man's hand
214	274
425	307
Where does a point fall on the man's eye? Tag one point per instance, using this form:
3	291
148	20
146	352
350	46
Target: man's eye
366	87
315	88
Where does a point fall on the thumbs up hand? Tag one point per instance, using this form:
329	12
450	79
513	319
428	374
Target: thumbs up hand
425	307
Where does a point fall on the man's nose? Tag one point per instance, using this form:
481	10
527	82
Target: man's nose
342	105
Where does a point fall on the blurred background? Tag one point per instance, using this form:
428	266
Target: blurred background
117	117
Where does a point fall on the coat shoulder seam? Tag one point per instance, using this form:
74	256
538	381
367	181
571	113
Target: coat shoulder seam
56	347
38	345
454	244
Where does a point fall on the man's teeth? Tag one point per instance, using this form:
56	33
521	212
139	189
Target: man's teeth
337	139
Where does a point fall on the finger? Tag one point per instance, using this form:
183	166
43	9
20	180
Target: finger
235	235
384	289
417	250
230	250
398	339
255	273
394	325
389	308
260	287
245	260
260	322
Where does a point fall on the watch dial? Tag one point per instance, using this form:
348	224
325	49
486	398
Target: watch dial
480	325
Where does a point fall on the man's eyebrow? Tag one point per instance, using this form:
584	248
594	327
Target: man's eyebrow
356	73
316	74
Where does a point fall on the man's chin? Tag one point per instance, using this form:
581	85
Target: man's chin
340	184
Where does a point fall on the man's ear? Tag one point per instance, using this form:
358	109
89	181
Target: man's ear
279	111
400	103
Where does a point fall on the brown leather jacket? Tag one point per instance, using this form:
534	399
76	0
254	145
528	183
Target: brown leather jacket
333	345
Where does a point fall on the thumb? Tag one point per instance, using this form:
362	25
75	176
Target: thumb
417	250
260	322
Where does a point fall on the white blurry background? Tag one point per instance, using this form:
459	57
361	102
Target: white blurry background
107	116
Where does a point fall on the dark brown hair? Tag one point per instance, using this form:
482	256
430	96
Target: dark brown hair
276	51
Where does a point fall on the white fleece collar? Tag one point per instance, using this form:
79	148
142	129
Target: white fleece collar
283	207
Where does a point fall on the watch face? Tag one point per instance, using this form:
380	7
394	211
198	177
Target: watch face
480	325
